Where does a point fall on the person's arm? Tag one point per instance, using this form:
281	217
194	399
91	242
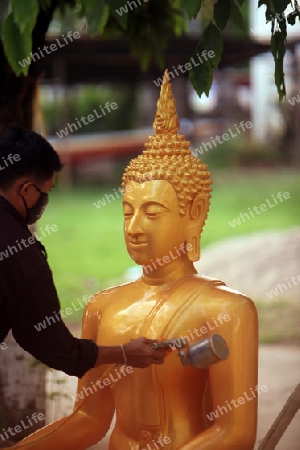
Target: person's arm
93	411
33	310
37	326
233	383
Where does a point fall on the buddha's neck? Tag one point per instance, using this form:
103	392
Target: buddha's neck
168	273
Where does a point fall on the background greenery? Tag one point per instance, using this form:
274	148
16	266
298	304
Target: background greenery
88	253
76	102
147	27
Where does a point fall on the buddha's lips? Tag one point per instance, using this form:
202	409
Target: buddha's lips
137	243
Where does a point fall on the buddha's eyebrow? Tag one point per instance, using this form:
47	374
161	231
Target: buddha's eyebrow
153	202
127	203
149	203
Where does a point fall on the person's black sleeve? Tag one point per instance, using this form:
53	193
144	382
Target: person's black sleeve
33	312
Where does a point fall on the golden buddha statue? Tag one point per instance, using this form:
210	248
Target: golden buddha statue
171	407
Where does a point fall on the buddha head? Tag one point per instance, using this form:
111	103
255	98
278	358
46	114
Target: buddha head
166	191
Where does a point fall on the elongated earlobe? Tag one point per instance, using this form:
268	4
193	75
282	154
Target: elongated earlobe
194	252
197	215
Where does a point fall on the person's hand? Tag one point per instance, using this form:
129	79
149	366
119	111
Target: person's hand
139	353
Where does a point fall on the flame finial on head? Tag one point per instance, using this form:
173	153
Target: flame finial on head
166	119
166	141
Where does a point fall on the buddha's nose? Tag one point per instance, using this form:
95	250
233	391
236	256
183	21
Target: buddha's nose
134	227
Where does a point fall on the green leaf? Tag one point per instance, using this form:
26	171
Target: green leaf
272	27
236	16
278	49
25	14
192	7
279	6
17	46
270	15
275	6
222	13
291	18
212	40
97	15
118	9
201	76
283	27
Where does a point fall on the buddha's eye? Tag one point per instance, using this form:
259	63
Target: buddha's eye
152	215
127	212
154	211
128	215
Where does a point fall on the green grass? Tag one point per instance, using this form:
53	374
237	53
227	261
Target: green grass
88	249
234	192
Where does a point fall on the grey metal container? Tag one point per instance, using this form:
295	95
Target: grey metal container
207	352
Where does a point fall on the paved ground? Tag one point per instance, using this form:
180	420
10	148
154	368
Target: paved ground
279	370
255	265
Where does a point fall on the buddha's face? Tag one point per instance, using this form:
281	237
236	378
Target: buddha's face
152	224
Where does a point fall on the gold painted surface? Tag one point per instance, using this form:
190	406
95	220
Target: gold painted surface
166	201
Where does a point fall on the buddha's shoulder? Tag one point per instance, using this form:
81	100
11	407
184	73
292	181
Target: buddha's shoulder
206	287
217	291
102	297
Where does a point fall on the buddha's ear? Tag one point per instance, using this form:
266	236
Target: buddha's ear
197	216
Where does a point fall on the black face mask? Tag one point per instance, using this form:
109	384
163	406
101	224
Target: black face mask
33	214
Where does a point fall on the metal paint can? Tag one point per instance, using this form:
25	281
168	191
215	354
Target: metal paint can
207	352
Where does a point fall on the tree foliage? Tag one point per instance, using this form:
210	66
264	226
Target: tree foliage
148	26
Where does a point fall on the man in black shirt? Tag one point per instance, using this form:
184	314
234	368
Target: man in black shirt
28	165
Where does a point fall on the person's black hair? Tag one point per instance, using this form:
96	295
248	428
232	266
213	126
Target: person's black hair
33	156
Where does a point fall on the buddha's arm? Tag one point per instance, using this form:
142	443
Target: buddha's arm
92	414
233	383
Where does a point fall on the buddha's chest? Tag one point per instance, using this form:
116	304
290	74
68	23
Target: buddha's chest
153	316
134	319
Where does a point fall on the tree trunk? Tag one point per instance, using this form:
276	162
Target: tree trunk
18	94
22	379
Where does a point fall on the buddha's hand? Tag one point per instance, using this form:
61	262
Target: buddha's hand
139	353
